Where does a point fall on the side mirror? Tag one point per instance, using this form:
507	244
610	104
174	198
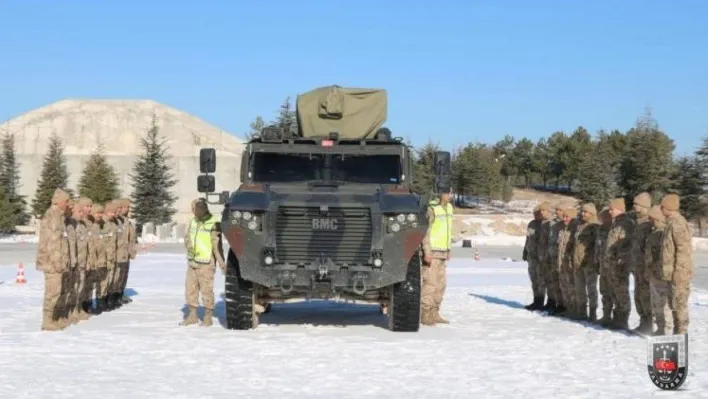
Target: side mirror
443	166
207	160
206	184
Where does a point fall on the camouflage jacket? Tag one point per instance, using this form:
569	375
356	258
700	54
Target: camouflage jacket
564	260
90	251
619	244
543	237
123	249
532	238
677	249
601	246
642	229
53	249
71	223
555	227
584	251
652	254
110	236
81	238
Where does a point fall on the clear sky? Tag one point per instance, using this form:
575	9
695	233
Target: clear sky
455	71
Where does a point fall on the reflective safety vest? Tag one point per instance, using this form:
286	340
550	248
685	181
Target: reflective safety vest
441	229
200	237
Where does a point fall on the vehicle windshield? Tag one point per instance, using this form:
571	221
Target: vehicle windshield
284	168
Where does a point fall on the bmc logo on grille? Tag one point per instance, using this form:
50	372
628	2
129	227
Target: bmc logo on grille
329	224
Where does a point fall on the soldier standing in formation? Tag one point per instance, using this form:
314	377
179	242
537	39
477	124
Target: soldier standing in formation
642	294
436	252
204	252
585	266
538	284
655	246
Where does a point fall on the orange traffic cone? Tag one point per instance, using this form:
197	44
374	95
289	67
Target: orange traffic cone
20	279
476	254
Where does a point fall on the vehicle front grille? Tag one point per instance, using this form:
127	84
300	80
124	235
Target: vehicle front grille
303	234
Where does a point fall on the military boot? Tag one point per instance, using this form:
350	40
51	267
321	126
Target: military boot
660	330
191	317
606	318
537	304
558	311
439	319
644	326
124	299
592	315
549	306
49	324
620	321
581	313
82	312
426	318
208	315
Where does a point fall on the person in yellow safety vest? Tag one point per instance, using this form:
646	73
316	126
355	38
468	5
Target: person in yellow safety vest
204	251
436	253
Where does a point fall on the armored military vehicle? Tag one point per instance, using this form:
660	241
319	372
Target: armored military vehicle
324	212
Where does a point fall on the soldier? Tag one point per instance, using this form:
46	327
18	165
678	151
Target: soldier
659	279
95	264
642	294
122	255
110	241
585	264
530	255
81	231
619	258
130	240
552	266
53	259
677	257
544	257
565	276
436	252
68	290
203	253
603	267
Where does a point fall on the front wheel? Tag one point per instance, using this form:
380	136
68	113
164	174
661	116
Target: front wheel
404	304
239	297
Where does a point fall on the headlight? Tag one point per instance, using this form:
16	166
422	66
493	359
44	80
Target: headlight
252	225
247	215
401	218
237	214
395	227
412	217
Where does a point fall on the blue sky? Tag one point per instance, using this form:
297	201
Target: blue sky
455	71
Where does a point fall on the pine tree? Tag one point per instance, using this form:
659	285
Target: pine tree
99	180
287	117
7	214
55	174
152	180
596	176
423	169
10	180
691	184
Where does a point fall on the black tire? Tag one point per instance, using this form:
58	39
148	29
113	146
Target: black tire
238	297
404	304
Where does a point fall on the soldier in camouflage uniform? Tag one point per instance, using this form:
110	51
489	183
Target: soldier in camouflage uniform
530	255
544	260
564	272
677	257
130	240
619	258
603	267
642	294
552	266
53	259
81	236
659	280
110	242
68	289
585	265
122	256
93	277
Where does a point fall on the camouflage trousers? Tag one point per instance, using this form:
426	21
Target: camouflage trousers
50	303
200	280
121	278
662	303
538	282
434	284
606	291
107	282
567	287
92	283
642	291
551	279
619	285
586	289
675	295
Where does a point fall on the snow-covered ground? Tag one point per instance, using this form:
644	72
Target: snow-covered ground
492	348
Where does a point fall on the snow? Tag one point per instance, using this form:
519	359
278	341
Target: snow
492	348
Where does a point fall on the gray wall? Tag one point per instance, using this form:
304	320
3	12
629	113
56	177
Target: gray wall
185	169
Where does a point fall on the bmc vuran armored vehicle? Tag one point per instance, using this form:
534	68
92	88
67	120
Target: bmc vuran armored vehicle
327	212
